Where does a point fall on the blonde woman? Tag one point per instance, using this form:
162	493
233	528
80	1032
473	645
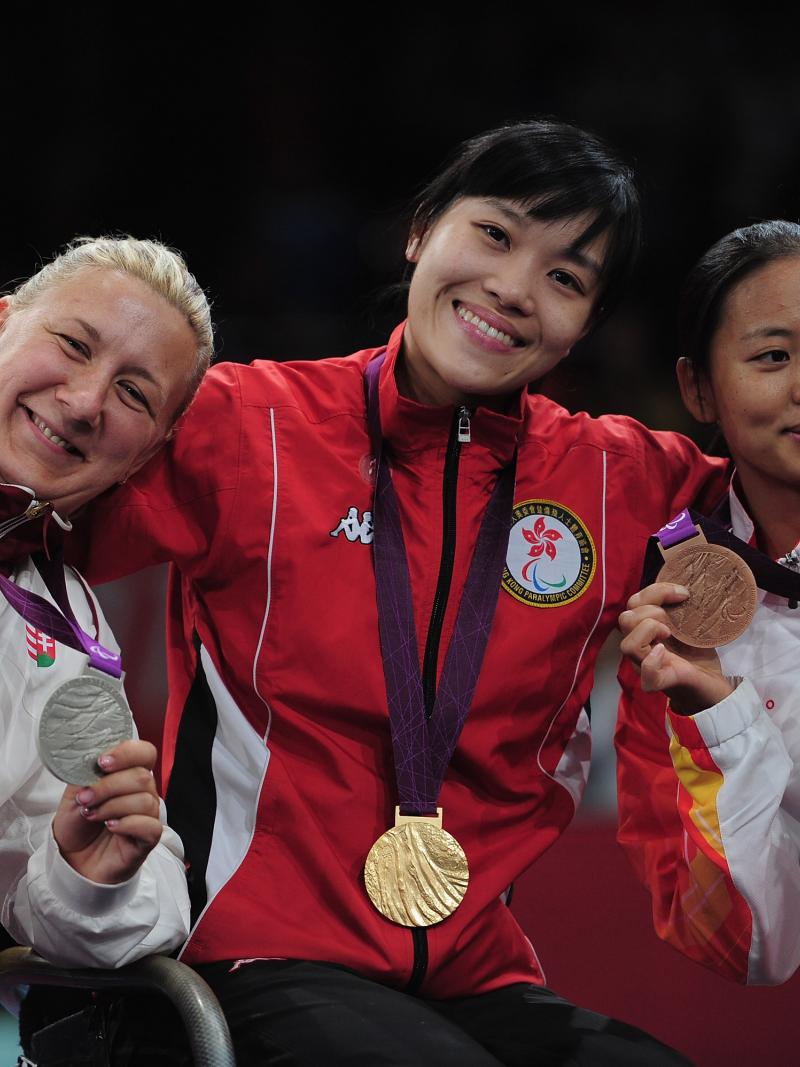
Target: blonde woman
100	352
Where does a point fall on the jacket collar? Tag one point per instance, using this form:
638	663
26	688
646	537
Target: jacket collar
741	524
27	525
409	427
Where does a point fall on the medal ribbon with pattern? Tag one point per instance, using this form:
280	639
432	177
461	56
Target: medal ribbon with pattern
416	873
85	716
58	622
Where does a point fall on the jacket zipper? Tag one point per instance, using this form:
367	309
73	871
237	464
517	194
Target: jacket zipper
33	510
460	433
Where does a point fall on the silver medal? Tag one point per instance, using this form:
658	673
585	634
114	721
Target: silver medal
83	718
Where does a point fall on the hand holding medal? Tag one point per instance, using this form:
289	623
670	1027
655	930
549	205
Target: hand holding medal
705	596
108	819
690	676
105	831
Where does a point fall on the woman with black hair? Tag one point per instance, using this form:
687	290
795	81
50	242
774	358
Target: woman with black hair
715	835
394	572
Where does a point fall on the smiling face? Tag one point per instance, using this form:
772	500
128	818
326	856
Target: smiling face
496	300
753	385
91	375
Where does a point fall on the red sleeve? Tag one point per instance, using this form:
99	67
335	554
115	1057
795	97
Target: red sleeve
696	907
176	505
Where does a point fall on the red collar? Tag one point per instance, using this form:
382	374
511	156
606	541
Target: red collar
410	427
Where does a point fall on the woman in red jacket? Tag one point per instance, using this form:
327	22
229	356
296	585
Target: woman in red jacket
393	573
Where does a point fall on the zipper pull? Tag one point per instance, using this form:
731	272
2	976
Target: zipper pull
464	430
35	508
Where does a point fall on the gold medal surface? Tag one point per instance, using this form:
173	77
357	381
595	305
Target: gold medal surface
723	595
416	874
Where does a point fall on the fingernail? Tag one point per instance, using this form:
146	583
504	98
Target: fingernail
86	812
682	590
86	796
106	762
112	822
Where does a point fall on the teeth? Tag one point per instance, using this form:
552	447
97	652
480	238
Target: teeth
484	327
50	435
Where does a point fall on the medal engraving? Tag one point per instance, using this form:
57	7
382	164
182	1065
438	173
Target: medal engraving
83	718
416	874
722	593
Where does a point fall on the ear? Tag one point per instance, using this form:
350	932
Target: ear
414	247
696	391
5	309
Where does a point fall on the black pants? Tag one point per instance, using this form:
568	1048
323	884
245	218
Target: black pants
288	1013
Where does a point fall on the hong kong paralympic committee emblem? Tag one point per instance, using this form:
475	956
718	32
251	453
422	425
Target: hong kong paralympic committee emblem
551	557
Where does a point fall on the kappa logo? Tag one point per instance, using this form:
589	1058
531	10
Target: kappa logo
551	557
354	528
41	647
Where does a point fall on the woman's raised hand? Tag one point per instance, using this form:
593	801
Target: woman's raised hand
106	830
691	677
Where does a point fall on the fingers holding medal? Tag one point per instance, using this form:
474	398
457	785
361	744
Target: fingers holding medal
106	830
705	596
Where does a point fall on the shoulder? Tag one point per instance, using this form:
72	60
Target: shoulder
553	425
319	388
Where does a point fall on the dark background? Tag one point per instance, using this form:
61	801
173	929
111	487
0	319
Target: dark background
279	152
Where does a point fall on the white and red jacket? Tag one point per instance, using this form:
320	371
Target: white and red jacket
709	804
277	745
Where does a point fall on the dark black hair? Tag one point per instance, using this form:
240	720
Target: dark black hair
712	278
557	171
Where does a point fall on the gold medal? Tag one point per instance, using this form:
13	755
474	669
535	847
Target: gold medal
416	874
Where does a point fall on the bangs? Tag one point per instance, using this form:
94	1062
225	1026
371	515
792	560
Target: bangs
553	171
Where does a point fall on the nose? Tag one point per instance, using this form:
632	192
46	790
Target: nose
512	285
82	398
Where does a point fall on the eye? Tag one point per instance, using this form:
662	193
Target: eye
775	355
75	345
565	278
135	395
496	233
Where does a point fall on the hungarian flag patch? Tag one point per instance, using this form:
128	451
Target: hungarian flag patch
41	648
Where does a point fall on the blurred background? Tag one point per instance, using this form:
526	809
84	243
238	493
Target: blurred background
280	154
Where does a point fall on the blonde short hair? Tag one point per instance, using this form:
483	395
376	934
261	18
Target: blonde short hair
161	268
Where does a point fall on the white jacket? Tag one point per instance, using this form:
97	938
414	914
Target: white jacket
710	812
45	903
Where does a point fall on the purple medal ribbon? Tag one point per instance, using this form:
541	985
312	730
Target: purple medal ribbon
681	528
61	624
424	747
770	576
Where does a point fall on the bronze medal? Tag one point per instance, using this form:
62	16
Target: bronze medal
416	873
722	593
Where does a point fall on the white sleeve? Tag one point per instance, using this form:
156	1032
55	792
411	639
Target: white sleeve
734	770
75	922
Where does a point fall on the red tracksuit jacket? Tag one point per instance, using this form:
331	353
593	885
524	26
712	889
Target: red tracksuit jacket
277	748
